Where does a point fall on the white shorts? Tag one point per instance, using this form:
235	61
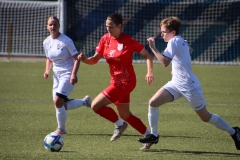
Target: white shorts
194	96
61	83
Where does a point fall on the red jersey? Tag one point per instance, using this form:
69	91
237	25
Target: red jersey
118	54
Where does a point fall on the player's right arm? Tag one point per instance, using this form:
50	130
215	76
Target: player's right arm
48	68
89	60
162	59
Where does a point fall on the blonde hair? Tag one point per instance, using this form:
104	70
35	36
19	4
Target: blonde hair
53	17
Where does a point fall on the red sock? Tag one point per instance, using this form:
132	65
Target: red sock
136	123
107	113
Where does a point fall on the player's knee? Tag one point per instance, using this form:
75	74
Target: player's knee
205	119
95	106
58	103
124	115
59	100
153	102
204	115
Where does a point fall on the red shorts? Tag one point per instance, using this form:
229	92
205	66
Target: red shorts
118	95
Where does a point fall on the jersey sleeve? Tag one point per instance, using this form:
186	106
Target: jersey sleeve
45	47
170	51
71	47
100	46
138	47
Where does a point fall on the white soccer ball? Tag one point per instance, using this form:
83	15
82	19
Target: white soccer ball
53	142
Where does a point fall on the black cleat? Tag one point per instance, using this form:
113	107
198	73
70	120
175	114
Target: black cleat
236	137
149	139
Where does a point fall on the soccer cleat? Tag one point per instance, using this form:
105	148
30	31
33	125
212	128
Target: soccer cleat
146	146
60	131
118	131
236	137
88	101
149	139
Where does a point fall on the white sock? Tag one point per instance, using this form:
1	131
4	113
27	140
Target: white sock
218	122
146	133
75	103
119	122
153	116
61	115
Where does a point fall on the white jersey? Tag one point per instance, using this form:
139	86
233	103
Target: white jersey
183	77
60	52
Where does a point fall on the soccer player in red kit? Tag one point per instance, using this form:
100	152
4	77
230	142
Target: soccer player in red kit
118	48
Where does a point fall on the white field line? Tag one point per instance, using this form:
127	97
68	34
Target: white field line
133	102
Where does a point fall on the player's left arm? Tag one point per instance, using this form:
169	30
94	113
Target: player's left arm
74	78
150	76
73	51
48	67
190	49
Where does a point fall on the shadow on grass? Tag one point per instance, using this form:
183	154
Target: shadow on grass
168	150
68	151
193	152
128	135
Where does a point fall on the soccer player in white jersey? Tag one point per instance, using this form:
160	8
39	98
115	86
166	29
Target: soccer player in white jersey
184	83
62	58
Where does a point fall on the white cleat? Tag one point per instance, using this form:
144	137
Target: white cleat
146	146
88	101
